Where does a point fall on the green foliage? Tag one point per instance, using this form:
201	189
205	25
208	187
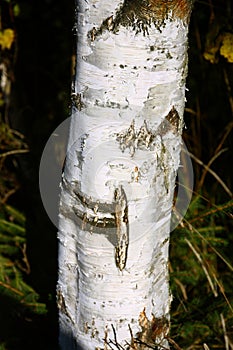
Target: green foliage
201	264
200	276
14	267
13	259
10	139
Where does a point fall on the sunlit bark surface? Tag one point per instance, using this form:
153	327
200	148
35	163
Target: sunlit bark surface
118	183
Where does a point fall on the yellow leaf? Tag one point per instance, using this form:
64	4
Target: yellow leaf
213	42
226	50
211	55
6	38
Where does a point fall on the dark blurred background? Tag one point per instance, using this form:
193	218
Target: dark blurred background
35	99
40	67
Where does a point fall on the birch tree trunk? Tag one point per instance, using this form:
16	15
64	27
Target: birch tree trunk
118	183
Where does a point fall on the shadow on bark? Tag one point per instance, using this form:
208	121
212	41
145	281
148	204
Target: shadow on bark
66	341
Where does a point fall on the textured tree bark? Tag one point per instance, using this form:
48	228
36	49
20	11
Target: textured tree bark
119	177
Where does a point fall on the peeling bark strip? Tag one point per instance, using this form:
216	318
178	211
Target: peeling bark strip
121	215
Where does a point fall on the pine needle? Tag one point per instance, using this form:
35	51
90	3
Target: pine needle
193	229
213	173
198	256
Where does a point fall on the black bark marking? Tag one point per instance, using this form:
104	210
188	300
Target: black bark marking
174	119
132	139
77	101
141	14
107	24
172	122
144	137
138	14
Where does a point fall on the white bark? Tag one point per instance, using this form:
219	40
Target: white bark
118	183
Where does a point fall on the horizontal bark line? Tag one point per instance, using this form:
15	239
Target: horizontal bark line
82	204
114	225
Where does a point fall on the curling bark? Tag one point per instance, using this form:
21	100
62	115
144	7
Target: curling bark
119	177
